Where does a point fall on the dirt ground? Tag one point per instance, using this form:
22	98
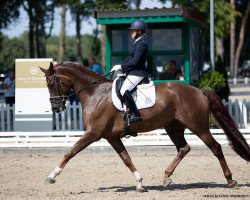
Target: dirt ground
105	177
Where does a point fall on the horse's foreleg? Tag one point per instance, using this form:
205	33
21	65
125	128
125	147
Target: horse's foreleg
117	144
87	139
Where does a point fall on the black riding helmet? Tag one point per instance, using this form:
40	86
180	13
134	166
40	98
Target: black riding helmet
139	26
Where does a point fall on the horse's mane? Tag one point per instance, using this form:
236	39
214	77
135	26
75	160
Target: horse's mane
81	68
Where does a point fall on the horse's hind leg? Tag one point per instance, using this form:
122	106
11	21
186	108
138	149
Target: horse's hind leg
87	139
117	144
175	131
215	147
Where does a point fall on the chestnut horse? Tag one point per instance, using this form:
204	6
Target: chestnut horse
178	106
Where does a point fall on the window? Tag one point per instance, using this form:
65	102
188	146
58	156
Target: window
195	54
165	39
116	60
120	40
160	65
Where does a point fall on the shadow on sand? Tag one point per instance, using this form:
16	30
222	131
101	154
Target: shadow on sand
171	187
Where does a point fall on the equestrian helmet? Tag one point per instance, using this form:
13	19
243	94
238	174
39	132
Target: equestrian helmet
139	26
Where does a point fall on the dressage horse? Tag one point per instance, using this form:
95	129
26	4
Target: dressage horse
178	106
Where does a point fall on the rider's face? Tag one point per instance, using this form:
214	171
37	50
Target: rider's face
133	34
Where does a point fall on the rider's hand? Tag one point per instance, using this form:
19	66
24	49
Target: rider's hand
116	68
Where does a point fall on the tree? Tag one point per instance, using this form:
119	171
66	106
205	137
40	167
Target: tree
13	48
29	7
80	11
9	11
224	14
62	34
232	40
108	4
241	39
19	48
40	13
137	3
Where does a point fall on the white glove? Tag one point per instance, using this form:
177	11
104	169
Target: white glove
116	68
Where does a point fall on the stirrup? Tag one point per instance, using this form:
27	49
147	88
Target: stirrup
131	119
128	134
126	120
134	119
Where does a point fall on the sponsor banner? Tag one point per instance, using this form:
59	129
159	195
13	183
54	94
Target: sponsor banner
28	74
32	96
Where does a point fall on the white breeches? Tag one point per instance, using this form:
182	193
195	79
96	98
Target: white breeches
130	82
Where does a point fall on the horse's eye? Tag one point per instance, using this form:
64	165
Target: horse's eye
50	86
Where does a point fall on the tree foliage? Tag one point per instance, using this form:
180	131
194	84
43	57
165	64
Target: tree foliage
223	14
212	81
40	14
13	48
216	80
111	4
9	11
18	48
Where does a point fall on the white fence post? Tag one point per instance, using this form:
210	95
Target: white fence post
74	108
243	111
8	116
246	80
2	118
234	81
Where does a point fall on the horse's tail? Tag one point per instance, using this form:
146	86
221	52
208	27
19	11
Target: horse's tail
236	139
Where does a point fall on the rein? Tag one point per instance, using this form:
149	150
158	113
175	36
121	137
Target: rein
86	86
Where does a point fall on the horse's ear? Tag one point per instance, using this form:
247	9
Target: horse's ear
51	68
42	69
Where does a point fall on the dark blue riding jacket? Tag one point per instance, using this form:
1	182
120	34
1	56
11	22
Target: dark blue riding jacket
134	64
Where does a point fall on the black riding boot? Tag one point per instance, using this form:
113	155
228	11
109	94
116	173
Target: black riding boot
134	113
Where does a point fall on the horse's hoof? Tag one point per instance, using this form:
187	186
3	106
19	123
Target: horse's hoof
141	189
233	184
167	182
49	180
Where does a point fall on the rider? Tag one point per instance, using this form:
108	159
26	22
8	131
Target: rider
135	67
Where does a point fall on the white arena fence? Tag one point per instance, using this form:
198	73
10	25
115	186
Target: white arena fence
235	81
68	128
68	138
71	118
7	114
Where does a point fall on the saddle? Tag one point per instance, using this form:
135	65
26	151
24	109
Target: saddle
143	95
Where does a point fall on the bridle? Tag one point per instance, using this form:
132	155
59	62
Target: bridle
62	98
